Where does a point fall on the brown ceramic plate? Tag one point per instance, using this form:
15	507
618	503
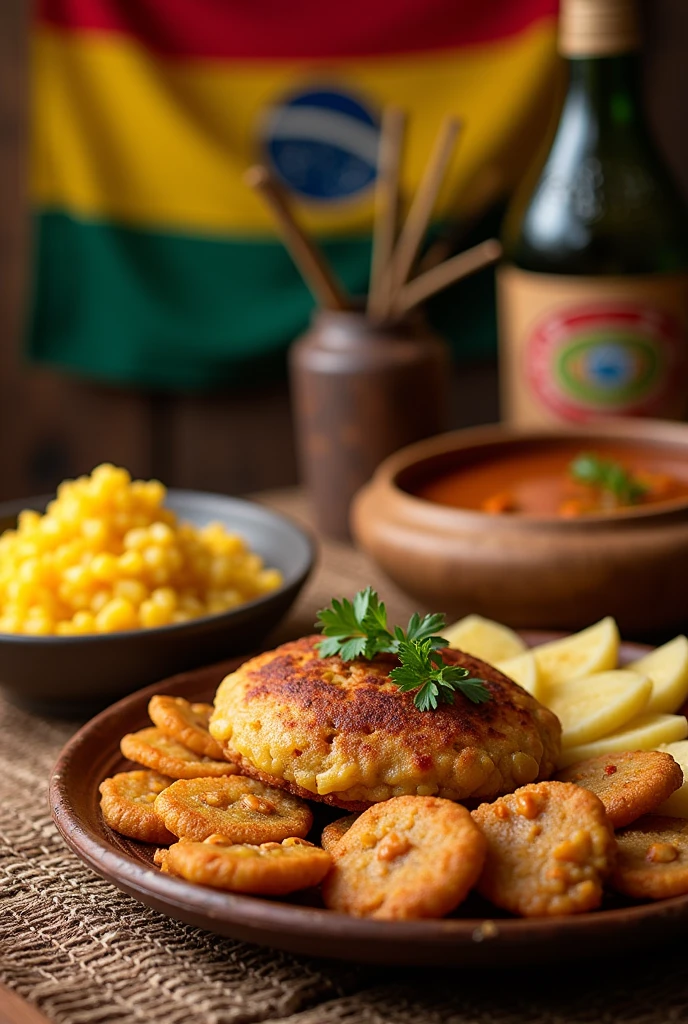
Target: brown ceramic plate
481	936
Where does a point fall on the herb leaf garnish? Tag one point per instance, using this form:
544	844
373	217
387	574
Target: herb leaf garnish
355	629
608	476
422	668
358	628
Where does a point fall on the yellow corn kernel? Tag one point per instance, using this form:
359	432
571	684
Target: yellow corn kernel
47	599
161	533
153	493
29	571
130	563
63	556
11	623
104	567
106	480
174	559
200	564
65	628
28	520
121	522
96	531
152	614
20	592
80	575
153	556
191	605
38	627
73	598
84	622
251	564
99	600
221	570
131	590
135	539
158	577
165	597
269	579
116	615
50	527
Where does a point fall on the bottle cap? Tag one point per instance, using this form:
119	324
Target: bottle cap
598	28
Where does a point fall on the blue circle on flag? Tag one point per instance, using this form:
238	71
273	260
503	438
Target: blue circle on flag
323	144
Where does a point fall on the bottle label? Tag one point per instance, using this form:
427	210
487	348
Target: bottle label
576	348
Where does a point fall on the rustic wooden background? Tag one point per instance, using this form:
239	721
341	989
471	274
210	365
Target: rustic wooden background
52	426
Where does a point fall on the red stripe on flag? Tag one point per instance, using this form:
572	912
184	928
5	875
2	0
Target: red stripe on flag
298	29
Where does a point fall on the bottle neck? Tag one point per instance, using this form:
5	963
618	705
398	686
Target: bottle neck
609	90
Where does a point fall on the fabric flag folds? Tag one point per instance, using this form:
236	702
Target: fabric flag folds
154	265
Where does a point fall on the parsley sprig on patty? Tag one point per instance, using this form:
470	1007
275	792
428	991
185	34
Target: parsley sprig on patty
358	629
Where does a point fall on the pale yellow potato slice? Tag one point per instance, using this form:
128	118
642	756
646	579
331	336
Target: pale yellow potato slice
647	732
483	638
667	667
595	649
676	806
523	669
597	705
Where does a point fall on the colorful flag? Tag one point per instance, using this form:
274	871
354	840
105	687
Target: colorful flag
154	264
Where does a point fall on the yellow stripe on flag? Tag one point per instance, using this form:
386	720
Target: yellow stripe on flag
121	134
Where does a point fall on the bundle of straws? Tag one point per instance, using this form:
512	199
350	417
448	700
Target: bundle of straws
393	292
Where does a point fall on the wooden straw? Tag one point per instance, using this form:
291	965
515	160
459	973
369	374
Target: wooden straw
465	263
477	199
306	255
386	205
423	203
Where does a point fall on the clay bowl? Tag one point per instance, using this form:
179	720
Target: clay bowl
74	675
527	571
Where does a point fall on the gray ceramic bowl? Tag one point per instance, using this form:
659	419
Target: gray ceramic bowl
73	675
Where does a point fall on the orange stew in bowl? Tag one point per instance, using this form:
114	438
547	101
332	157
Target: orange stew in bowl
563	481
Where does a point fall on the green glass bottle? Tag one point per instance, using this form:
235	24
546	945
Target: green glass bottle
593	294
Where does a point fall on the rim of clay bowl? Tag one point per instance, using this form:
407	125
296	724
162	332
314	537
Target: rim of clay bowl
658	433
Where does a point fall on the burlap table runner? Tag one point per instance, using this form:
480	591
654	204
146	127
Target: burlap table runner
82	951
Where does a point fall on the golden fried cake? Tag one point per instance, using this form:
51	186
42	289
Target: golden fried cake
411	857
126	802
336	830
243	810
343	733
270	869
549	848
187	723
653	858
629	784
153	749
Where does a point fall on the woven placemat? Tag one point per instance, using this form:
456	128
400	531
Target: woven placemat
85	953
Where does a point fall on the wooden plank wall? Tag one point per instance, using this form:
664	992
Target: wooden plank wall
52	426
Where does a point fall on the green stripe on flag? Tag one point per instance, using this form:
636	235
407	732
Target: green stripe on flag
176	312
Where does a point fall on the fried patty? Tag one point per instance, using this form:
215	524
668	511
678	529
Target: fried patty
343	733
